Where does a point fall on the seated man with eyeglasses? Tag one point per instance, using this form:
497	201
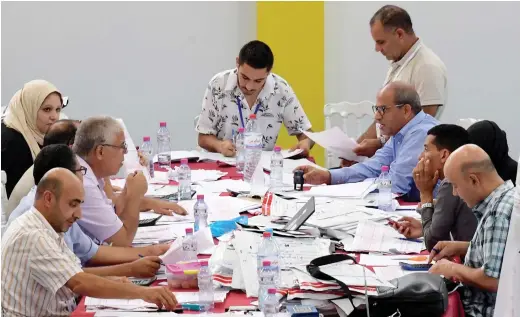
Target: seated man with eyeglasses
400	115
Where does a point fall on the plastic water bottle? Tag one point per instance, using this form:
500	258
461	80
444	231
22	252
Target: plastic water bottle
384	185
163	146
200	212
184	179
276	170
269	250
266	281
206	288
270	303
147	150
253	147
239	145
189	246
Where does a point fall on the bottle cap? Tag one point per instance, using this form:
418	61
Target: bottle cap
199	197
267	234
385	168
189	230
252	116
277	149
241	130
271	291
146	138
162	124
203	263
266	263
184	161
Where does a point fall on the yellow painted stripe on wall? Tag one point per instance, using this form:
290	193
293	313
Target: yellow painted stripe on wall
295	32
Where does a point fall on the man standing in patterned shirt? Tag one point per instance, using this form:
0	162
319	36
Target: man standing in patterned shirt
233	95
476	181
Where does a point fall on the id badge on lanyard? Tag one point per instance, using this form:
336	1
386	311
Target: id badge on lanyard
239	105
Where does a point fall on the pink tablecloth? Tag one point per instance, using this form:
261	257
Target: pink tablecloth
238	298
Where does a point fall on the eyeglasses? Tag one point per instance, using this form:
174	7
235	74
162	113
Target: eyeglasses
123	146
382	109
82	170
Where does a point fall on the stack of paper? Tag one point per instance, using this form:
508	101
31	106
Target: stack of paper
351	190
155	234
154	190
222	207
354	275
374	237
201	175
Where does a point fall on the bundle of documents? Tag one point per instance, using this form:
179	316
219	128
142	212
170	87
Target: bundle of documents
350	190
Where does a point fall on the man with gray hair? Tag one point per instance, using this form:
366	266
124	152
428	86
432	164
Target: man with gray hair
399	113
100	147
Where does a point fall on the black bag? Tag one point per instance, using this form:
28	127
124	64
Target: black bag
416	294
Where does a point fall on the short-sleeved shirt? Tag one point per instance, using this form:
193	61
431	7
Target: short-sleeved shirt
36	265
423	69
486	249
98	217
82	245
276	103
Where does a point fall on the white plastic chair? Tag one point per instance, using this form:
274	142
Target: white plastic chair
466	123
362	114
4	202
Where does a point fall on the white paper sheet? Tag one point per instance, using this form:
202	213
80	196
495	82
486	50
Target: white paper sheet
337	142
154	234
223	185
374	237
175	252
131	159
392	272
352	274
290	165
351	190
388	260
221	207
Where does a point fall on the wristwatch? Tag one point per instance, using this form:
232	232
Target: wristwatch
427	205
382	139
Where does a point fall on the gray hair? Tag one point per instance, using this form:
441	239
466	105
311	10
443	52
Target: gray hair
93	132
406	94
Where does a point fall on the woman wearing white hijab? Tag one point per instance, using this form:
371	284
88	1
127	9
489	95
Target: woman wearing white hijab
29	114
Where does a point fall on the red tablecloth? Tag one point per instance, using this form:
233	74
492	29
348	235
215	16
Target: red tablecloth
238	298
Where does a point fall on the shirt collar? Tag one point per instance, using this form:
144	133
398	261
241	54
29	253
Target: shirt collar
408	54
480	209
415	121
45	224
90	173
267	90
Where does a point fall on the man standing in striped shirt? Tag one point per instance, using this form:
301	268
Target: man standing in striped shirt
40	274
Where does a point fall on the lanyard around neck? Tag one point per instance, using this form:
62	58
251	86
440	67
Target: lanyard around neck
406	62
239	105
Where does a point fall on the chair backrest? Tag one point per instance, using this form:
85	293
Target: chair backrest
466	123
195	121
4	202
353	118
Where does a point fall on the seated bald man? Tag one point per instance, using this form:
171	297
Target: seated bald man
474	178
40	275
100	260
400	115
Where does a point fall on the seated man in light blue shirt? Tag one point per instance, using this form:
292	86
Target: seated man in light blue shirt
399	113
89	253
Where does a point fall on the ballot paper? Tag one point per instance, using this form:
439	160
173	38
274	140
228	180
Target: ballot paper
337	142
353	275
289	165
350	190
155	234
131	159
175	253
221	207
375	237
95	304
293	252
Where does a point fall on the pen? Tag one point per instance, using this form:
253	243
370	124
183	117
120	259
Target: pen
142	256
193	307
412	240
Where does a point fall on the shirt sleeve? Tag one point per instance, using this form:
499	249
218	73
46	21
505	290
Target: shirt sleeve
431	85
84	248
438	221
207	123
50	267
367	169
495	238
294	117
98	216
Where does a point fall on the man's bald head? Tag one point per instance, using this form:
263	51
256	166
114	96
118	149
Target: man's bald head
58	198
61	132
472	174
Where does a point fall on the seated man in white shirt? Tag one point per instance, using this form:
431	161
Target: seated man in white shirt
101	260
233	95
40	275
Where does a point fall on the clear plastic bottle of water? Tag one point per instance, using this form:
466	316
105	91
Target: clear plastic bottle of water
189	246
147	150
276	175
206	288
184	179
269	250
270	303
163	146
266	280
253	147
239	145
384	185
200	213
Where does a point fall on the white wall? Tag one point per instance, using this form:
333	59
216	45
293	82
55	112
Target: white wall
143	61
478	41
